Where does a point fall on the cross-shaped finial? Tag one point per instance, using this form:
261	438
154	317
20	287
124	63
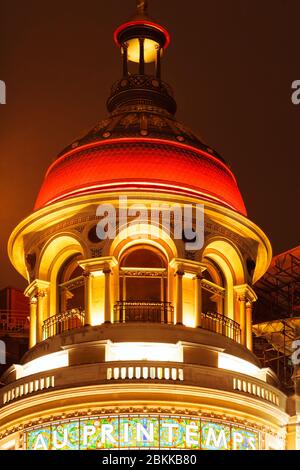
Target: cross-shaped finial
142	7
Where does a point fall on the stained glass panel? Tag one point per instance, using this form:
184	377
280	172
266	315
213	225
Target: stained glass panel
215	436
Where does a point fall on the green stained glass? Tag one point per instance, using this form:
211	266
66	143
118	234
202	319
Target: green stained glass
243	439
65	436
142	431
99	433
179	433
39	439
139	431
215	436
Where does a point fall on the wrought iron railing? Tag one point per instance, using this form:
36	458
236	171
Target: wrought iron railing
131	311
137	311
61	322
142	81
14	321
218	323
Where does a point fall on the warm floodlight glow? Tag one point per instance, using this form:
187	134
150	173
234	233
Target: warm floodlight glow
8	445
97	273
235	364
43	364
189	275
150	50
144	352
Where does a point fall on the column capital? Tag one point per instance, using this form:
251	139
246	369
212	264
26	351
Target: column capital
186	265
98	265
33	300
37	288
41	293
242	297
179	273
245	293
199	276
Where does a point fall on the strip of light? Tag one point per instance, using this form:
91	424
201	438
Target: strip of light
43	364
9	445
144	352
236	364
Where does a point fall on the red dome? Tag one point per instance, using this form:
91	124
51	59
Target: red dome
140	164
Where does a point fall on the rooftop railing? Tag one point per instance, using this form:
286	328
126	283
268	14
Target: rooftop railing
14	322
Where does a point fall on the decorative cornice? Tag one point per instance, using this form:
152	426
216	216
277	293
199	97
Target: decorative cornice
98	264
37	288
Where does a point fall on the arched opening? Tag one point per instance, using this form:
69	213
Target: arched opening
55	255
226	257
70	285
69	289
225	269
142	275
213	289
143	285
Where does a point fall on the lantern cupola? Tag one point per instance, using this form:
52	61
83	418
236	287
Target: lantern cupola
142	42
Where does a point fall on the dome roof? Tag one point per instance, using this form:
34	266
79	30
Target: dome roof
125	159
141	146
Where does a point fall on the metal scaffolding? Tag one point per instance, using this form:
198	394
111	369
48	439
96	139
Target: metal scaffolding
277	315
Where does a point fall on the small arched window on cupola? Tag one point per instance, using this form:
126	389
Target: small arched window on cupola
213	289
143	286
70	285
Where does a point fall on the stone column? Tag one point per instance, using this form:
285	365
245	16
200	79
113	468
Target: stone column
107	303
245	296
179	312
37	292
87	298
249	340
32	331
242	301
198	305
41	314
98	289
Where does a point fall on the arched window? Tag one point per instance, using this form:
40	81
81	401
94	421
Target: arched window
213	289
143	285
70	286
143	273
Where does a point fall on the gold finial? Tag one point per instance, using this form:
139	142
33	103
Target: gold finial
142	7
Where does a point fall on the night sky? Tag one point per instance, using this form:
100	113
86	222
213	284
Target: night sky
231	64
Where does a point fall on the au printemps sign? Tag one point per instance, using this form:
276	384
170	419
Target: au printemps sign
141	431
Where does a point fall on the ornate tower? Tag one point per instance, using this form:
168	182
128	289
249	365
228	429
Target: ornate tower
138	340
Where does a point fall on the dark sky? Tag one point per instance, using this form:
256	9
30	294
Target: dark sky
231	64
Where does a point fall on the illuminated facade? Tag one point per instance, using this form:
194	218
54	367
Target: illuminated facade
137	341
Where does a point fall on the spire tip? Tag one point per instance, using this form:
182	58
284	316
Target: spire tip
142	7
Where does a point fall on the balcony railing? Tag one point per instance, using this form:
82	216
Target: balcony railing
151	372
156	312
61	322
163	312
130	311
218	323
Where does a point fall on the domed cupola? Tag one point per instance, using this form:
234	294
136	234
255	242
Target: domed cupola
141	145
141	334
